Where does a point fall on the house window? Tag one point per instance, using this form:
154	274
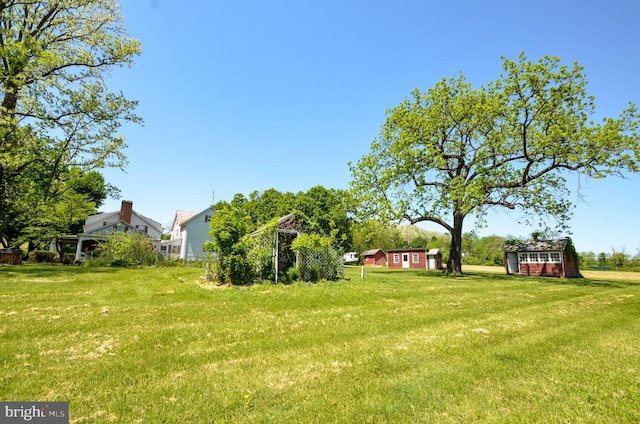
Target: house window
544	257
555	257
163	248
142	228
207	218
533	257
396	258
414	258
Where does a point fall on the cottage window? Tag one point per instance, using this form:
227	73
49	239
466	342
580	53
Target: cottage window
207	218
142	228
396	258
544	257
555	257
414	258
533	257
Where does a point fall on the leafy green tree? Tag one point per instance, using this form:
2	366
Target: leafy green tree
619	259
373	234
230	227
419	241
485	251
588	258
62	210
328	211
269	204
56	112
602	259
456	151
325	211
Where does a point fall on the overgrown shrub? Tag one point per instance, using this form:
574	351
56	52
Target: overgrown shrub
68	258
292	274
232	245
42	256
127	249
262	257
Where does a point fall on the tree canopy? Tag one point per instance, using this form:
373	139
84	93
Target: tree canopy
326	211
56	111
455	151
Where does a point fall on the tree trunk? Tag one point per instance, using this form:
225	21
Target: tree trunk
454	264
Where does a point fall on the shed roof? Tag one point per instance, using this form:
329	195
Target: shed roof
408	249
371	252
536	245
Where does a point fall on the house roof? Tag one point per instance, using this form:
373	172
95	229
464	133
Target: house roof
114	218
408	249
371	252
536	245
184	216
433	252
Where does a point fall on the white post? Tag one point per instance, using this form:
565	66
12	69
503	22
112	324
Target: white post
362	272
277	257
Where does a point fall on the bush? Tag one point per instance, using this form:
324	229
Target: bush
68	258
292	274
127	249
42	256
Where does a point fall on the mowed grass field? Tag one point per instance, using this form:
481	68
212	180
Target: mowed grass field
154	346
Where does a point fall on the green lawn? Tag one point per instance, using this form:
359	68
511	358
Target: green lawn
153	346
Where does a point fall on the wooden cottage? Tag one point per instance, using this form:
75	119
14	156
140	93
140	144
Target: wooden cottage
545	258
374	257
414	258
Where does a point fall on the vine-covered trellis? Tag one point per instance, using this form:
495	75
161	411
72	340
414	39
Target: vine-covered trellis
275	240
324	264
315	258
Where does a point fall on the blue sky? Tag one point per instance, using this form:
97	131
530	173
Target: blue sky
248	95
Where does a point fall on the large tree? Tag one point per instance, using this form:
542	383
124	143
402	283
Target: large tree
56	111
456	151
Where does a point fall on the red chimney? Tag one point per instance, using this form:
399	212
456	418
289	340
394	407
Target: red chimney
125	211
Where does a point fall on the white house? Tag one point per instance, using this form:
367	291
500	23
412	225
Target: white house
189	232
98	227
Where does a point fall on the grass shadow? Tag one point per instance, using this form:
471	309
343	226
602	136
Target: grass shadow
43	270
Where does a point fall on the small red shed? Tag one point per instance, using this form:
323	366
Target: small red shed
414	258
374	257
544	258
